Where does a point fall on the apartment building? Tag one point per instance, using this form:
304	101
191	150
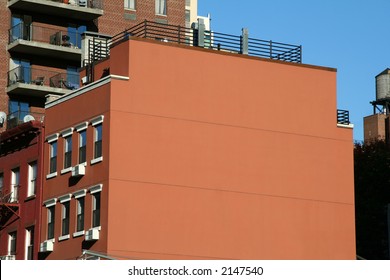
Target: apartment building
233	161
21	185
44	43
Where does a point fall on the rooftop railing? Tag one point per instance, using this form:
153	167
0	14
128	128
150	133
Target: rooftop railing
93	4
200	37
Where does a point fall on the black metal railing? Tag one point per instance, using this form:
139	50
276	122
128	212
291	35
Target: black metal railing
343	117
200	38
18	117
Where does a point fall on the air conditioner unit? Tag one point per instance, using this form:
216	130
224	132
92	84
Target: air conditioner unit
7	258
78	170
92	234
46	246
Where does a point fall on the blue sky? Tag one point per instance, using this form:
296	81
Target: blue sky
350	35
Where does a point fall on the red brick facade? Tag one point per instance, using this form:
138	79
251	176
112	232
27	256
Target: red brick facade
116	18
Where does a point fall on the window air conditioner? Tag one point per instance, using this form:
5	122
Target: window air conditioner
78	170
46	246
7	258
92	234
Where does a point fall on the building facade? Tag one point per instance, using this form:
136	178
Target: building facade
232	161
21	160
44	44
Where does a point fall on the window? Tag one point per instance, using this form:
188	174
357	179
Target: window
130	4
98	141
96	209
80	214
32	178
50	221
15	177
68	152
161	7
53	157
65	218
29	243
83	146
188	2
12	243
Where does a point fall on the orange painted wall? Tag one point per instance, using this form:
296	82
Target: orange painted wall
213	155
227	157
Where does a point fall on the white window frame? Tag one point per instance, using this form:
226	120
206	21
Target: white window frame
96	122
130	4
15	184
51	140
32	178
50	203
29	242
12	236
161	7
93	191
77	195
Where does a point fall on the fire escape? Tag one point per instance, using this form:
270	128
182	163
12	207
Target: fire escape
9	206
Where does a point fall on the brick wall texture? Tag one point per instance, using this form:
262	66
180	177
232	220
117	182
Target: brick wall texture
116	18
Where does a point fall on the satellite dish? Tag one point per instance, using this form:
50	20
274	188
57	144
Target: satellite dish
28	118
3	117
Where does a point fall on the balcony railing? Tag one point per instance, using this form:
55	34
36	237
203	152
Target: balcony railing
41	77
16	118
46	35
343	117
211	40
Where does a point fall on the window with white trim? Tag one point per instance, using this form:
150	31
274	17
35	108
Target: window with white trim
15	181
53	157
161	7
29	251
98	141
12	243
80	214
129	4
50	221
65	218
67	151
83	146
96	209
32	178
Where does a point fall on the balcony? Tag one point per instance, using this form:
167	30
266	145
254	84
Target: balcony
74	9
19	117
38	82
37	40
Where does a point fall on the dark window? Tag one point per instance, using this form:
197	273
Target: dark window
65	218
83	146
80	214
50	222
53	157
68	152
96	210
98	140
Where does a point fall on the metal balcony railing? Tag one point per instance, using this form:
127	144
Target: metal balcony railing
41	77
46	35
18	117
206	39
343	117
